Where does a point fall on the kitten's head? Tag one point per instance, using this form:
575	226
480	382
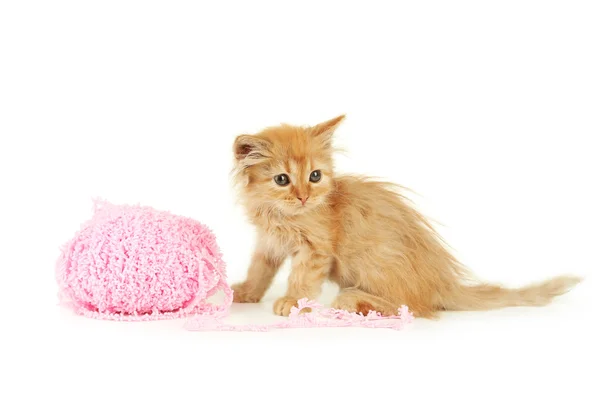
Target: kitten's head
286	168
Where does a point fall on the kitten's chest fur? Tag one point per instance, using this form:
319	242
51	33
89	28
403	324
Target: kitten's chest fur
289	235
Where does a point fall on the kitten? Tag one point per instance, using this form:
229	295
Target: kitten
359	233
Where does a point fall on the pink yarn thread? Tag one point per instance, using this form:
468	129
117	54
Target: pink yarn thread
134	263
319	318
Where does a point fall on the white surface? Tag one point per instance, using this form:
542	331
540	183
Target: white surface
489	112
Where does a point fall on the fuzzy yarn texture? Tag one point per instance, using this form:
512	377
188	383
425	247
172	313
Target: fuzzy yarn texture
137	263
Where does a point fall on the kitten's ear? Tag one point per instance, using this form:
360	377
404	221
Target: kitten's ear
326	129
251	149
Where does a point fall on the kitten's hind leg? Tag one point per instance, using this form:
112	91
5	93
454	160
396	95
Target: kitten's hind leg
359	301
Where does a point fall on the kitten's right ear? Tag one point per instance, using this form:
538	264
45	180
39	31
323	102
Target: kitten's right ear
250	150
326	129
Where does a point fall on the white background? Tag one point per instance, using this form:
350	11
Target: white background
488	110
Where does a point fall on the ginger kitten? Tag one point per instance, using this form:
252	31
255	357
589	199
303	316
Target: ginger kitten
359	233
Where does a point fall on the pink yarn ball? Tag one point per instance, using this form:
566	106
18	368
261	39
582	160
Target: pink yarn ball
135	262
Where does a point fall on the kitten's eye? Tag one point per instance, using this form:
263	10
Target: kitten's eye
315	176
282	180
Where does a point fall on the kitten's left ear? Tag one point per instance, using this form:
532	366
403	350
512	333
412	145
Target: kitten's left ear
326	129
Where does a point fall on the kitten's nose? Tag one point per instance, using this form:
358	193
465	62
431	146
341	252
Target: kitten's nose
303	199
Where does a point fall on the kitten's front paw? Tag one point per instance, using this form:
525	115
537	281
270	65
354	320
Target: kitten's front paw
241	294
283	305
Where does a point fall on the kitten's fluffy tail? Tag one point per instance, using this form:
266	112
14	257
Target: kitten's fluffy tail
486	297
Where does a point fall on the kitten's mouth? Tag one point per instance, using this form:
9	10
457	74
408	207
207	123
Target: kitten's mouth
300	208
